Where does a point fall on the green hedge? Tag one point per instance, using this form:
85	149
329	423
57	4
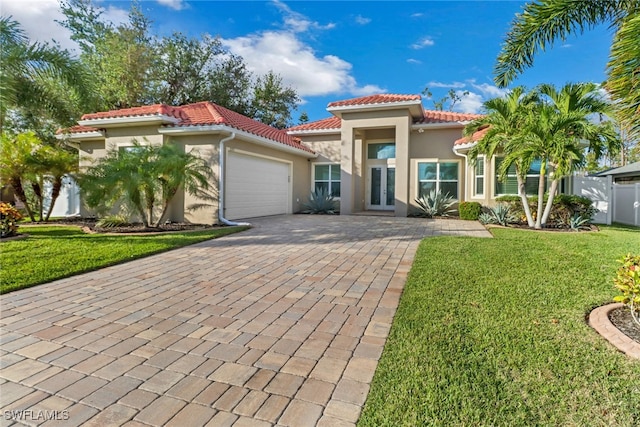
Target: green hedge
565	206
469	210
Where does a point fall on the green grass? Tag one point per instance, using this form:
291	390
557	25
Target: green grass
51	253
492	332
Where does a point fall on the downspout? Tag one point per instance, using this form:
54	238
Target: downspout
221	170
466	171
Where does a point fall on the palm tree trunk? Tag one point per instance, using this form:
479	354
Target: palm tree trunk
552	193
55	192
37	190
522	192
16	183
541	186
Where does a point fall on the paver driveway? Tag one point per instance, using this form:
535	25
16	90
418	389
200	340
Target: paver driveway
282	324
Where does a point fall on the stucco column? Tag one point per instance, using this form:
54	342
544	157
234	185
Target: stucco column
402	168
346	169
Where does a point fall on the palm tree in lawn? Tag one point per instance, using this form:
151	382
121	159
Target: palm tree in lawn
559	129
16	165
32	74
504	124
58	163
546	21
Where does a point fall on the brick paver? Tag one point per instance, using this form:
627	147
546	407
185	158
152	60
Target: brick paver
280	325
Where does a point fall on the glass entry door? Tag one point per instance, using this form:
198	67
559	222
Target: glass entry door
382	181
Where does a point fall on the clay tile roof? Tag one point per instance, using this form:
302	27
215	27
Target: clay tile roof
146	110
207	113
385	98
477	136
77	129
431	116
330	123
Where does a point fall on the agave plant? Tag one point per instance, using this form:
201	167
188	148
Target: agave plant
320	202
578	222
436	204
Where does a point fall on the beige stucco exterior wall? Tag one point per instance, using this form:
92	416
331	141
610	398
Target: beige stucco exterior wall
354	126
206	146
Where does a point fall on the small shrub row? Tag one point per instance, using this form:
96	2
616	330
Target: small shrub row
567	210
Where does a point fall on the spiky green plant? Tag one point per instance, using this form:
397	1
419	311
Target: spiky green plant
320	202
436	203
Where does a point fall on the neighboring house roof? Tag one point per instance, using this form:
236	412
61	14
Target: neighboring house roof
186	116
330	123
630	169
384	98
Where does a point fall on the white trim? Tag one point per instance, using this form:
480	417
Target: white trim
313	175
383	185
474	192
466	146
81	136
129	120
418	126
256	139
436	160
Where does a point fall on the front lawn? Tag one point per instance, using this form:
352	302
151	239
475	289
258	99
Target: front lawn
492	332
54	252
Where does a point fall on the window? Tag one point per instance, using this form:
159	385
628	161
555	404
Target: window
327	178
438	176
386	150
479	177
510	184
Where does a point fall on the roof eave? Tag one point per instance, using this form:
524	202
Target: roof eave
256	139
415	106
81	136
130	121
464	146
314	132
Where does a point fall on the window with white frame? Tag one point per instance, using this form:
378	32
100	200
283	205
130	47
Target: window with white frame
478	184
326	177
438	176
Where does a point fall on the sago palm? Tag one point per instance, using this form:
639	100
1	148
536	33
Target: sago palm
541	23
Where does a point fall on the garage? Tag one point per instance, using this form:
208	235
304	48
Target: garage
256	186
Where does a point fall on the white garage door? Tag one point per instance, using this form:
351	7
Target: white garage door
255	187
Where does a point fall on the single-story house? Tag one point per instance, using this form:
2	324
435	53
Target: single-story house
373	153
627	174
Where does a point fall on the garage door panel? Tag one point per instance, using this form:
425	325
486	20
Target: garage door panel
256	187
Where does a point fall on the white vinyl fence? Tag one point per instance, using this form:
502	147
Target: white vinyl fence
615	202
68	202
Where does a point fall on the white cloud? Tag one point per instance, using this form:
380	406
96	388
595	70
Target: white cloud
38	20
362	20
453	85
414	61
417	15
470	102
298	22
297	63
173	4
490	91
423	42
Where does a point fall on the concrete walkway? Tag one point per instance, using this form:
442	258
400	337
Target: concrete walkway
279	325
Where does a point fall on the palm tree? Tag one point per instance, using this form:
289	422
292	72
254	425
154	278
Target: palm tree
143	175
558	131
543	22
31	76
505	125
57	163
16	165
176	169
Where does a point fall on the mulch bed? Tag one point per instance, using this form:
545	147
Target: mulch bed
621	319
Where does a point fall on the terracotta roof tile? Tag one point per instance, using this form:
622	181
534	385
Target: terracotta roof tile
202	114
432	116
330	123
477	136
384	98
146	110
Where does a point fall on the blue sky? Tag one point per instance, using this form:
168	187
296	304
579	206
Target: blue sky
332	50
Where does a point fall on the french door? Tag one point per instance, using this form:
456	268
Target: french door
382	181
